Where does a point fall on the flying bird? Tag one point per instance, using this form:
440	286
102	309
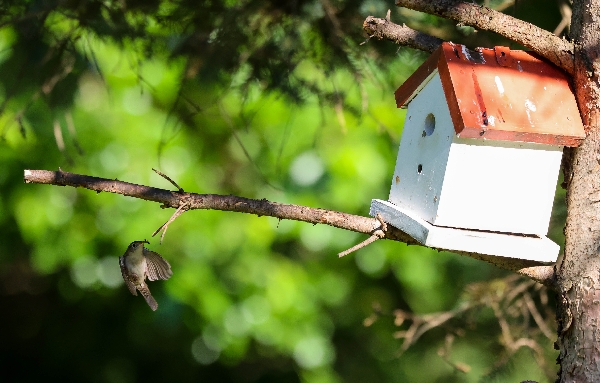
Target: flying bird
139	263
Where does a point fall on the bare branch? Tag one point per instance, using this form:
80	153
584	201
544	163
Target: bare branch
192	201
444	353
364	243
537	317
565	22
420	324
377	234
180	210
542	274
163	175
435	320
510	299
175	199
545	43
400	34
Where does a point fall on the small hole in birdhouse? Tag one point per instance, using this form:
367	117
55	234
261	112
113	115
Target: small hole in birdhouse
429	125
420	169
397	179
434	199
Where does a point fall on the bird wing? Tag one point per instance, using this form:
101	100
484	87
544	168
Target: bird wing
128	282
157	266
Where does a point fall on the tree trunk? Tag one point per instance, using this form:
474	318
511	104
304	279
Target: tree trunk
578	275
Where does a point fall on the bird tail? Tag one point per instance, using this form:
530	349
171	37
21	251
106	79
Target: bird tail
149	298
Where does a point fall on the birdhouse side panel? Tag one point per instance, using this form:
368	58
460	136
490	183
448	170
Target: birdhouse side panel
426	138
499	186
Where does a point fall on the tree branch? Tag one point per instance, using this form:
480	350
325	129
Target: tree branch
545	43
558	51
400	34
193	201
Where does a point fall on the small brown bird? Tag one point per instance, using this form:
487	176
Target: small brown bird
138	263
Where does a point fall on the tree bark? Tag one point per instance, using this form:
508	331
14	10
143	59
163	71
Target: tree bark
578	276
400	34
545	43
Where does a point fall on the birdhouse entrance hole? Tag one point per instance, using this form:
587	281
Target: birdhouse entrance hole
429	125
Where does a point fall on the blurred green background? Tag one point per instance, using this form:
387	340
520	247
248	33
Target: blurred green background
251	98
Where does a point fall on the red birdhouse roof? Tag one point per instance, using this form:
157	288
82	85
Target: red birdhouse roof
501	94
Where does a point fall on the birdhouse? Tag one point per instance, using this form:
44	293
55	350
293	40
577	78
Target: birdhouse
480	152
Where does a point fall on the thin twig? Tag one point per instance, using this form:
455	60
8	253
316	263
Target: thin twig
514	292
444	353
382	28
163	175
180	210
364	243
436	320
565	22
537	317
423	323
508	339
384	226
377	234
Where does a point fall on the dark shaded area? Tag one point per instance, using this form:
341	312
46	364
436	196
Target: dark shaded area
95	338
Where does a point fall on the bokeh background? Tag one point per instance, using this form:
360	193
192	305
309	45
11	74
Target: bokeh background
252	98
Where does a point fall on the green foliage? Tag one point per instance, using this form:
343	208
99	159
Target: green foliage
259	99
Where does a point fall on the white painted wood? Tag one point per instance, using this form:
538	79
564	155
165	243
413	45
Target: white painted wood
539	249
410	188
476	184
499	186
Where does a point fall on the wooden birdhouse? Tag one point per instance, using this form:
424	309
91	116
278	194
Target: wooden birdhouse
480	152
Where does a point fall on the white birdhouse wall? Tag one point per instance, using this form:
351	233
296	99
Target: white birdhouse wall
423	154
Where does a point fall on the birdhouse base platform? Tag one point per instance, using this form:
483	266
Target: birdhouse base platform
508	245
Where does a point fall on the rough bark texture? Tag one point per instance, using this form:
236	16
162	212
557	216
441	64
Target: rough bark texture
400	34
555	49
578	276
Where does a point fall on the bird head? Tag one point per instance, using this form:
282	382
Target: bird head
133	246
